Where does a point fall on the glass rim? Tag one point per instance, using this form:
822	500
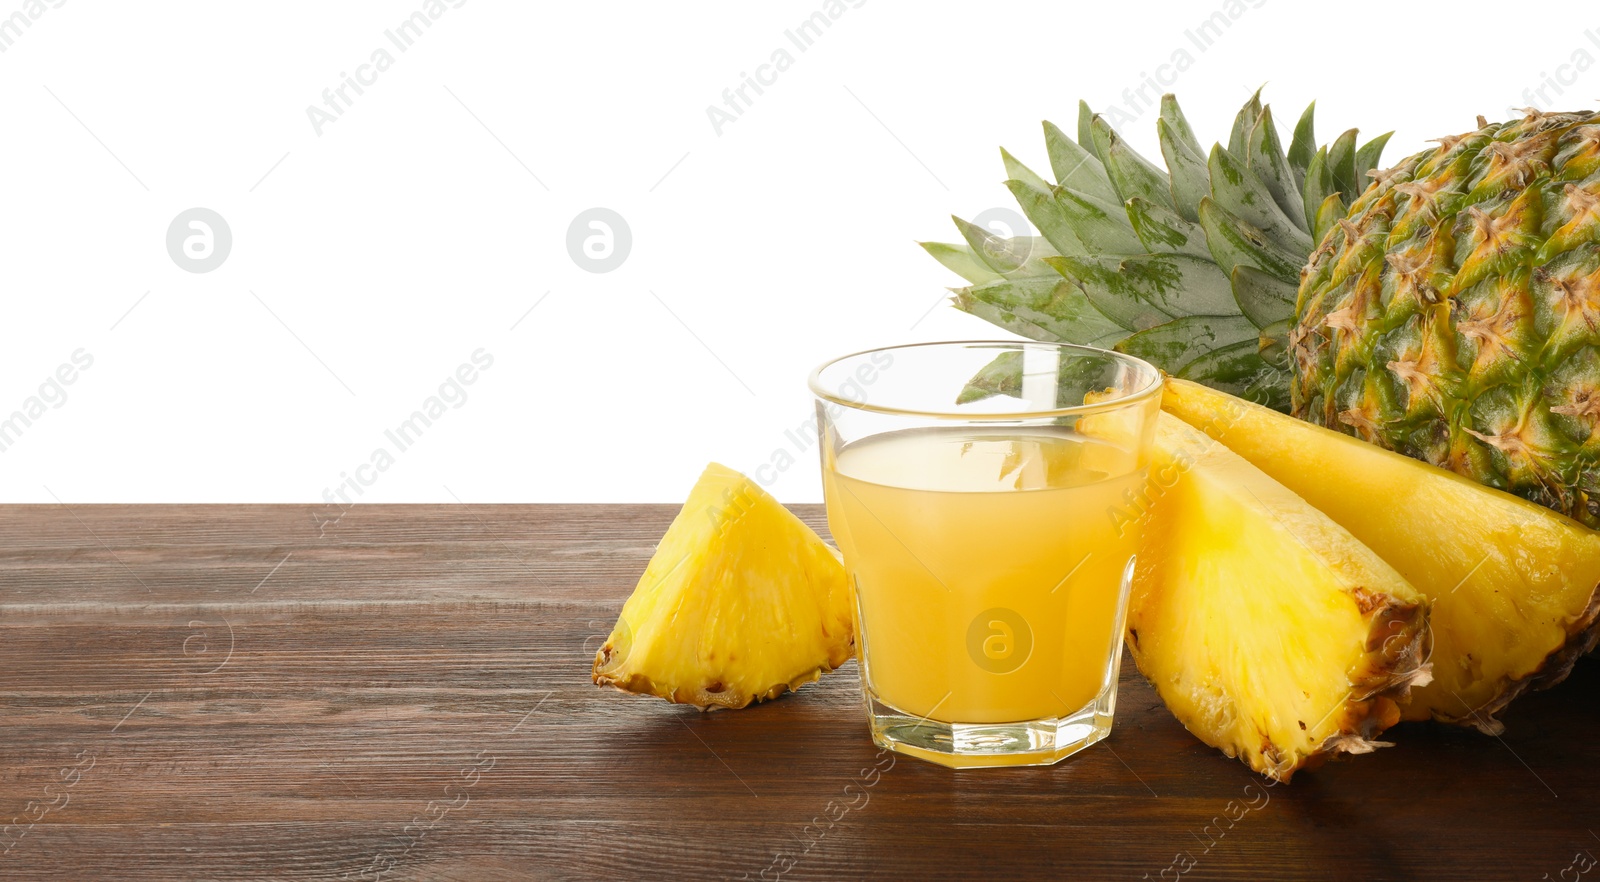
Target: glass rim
1154	387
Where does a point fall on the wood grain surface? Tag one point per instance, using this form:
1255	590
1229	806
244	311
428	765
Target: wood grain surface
278	692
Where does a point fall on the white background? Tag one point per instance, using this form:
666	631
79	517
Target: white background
374	258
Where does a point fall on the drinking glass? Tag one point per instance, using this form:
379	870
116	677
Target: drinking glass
982	494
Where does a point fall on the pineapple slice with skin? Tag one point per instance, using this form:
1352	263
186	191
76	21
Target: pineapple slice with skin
1513	584
741	602
1269	631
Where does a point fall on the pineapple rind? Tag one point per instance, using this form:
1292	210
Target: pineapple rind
740	603
1268	630
1451	316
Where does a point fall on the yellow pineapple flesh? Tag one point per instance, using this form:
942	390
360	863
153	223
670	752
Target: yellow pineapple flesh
1512	584
741	602
1269	631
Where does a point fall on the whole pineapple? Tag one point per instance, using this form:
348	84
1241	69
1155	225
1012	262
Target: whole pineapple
1454	314
1451	312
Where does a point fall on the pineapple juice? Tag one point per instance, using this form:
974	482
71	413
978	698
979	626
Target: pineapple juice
987	566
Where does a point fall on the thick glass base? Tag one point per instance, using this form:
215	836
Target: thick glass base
976	745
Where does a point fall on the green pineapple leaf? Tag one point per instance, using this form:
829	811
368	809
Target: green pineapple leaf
1016	171
1174	345
1101	229
1329	214
1241	191
1240	370
960	260
1131	174
1164	232
1076	167
1170	285
1342	163
1274	343
1045	308
1239	138
1047	217
1190	180
1367	159
1319	186
1110	295
1233	242
1003	376
1304	144
1006	256
1086	130
1182	133
1002	318
1267	160
1264	298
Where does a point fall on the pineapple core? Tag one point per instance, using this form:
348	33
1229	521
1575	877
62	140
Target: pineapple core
741	602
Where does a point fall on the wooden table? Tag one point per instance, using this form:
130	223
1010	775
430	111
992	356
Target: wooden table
203	692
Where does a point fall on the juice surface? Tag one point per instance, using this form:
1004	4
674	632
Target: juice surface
987	566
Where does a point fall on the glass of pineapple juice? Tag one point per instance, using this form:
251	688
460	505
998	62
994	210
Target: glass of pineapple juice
982	496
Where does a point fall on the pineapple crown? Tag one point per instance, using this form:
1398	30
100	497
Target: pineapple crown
1194	268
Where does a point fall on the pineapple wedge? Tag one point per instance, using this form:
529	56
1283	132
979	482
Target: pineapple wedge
1269	631
1512	584
741	602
